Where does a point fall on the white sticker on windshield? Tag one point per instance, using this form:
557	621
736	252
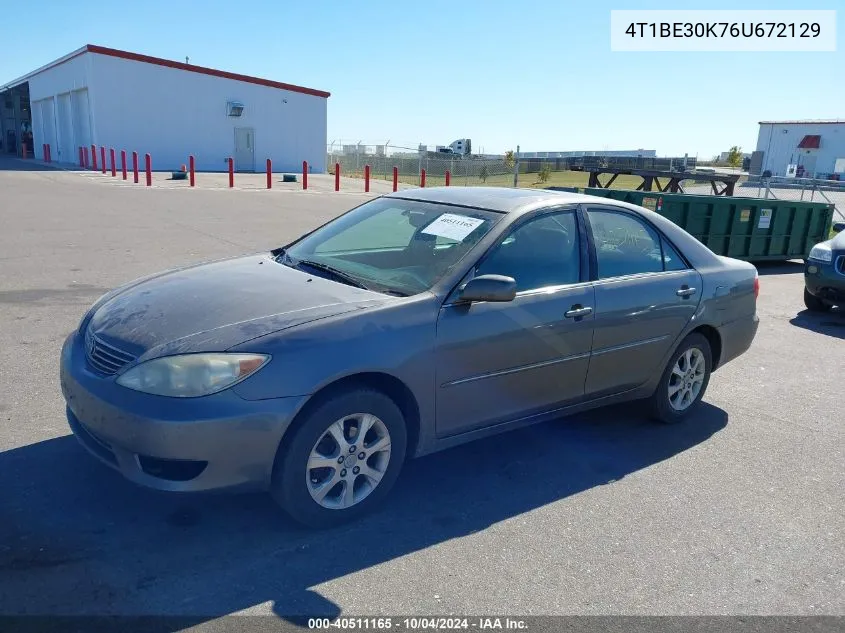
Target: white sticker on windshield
454	227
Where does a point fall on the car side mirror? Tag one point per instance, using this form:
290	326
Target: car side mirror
838	227
489	288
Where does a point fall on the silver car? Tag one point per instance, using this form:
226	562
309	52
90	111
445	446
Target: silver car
412	323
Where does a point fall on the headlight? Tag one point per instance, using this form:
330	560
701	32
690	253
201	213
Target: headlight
191	375
821	252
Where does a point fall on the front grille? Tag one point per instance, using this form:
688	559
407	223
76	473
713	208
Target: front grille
105	358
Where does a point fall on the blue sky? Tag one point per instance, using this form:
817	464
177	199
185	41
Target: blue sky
538	74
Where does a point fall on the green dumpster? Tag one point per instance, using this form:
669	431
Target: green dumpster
752	229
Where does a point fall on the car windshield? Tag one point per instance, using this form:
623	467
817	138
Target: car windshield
391	245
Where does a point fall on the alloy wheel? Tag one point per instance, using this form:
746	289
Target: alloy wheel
686	379
348	461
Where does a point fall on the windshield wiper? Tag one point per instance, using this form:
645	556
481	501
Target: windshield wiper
339	274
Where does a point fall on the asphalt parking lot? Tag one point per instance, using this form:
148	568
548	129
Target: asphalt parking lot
738	511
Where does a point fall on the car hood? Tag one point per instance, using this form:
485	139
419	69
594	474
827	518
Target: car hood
212	307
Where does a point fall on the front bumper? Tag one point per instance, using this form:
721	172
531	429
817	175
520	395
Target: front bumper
190	444
826	280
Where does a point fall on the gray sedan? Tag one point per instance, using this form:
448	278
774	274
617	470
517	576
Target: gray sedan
414	322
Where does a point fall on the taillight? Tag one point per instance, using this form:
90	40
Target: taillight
756	286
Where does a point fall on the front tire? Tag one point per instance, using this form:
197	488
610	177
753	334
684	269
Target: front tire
341	459
813	303
684	380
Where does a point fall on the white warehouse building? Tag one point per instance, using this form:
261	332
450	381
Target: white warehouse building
126	101
809	149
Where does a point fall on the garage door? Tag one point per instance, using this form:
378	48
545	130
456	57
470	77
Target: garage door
81	118
65	152
44	125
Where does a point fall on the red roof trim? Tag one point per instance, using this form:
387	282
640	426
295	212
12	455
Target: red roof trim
113	52
810	141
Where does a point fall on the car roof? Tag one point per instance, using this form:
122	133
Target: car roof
501	199
515	202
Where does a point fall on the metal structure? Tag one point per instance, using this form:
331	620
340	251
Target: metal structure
721	184
589	163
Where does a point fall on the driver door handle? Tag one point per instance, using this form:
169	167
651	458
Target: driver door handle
685	291
574	312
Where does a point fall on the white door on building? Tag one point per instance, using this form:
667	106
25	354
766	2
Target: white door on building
64	118
809	163
244	149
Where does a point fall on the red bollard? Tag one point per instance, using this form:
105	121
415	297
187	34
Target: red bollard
49	154
81	159
103	158
113	166
44	151
269	174
135	166
191	169
23	150
85	158
231	173
123	162
448	177
395	178
422	178
366	178
94	157
337	176
305	174
148	162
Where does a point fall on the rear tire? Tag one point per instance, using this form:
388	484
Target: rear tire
813	303
313	478
684	381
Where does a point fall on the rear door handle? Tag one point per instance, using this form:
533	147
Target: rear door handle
685	291
574	312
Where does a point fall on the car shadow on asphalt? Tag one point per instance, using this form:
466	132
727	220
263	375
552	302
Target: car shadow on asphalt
830	323
76	538
793	266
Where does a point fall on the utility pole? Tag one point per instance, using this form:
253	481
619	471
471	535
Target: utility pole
516	167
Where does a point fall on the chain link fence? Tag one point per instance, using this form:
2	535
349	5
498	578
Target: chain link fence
477	170
463	170
564	172
779	188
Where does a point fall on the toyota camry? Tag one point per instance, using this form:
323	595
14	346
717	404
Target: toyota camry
414	322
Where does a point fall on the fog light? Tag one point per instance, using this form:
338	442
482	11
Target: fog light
812	269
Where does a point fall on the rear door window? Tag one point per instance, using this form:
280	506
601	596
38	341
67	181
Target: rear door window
624	245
